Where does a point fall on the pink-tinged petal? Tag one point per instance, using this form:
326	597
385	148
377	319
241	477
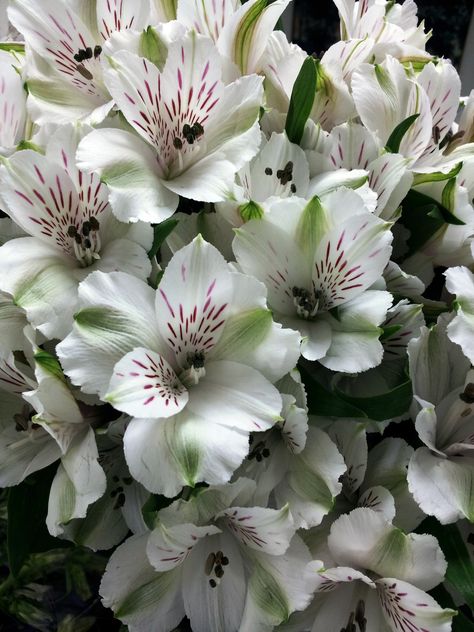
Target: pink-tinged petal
12	102
169	547
349	259
194	300
262	529
144	384
59	35
352	147
347	56
120	15
41	197
159	105
409	609
207	17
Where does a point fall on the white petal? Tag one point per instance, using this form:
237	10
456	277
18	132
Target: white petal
145	600
460	281
143	384
406	607
169	547
117	315
129	167
12	103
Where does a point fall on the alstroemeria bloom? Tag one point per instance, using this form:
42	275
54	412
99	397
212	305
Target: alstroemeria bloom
65	39
318	262
12	104
194	131
380	579
192	362
73	232
214	564
441	473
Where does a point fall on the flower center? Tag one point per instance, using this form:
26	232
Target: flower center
194	370
285	175
214	567
84	55
357	619
86	241
259	452
306	302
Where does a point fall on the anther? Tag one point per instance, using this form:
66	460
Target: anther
219	571
78	239
212	583
225	561
265	453
197	129
94	223
88	52
97	51
86	228
209	565
82	70
87	243
177	143
190	138
293	188
72	231
187	129
268	171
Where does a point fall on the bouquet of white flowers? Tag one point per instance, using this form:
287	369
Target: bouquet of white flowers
237	311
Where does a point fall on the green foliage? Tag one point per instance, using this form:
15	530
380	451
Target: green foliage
301	101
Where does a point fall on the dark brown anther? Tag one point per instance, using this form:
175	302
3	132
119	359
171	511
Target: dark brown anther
78	57
219	571
72	231
88	52
268	171
225	561
97	51
87	243
265	453
82	70
187	130
212	583
78	239
293	188
190	139
209	565
94	223
86	228
197	129
177	143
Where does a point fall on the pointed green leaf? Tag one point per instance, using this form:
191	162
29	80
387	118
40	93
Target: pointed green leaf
301	101
396	137
311	226
160	233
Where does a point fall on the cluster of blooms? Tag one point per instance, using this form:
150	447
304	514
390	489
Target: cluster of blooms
178	237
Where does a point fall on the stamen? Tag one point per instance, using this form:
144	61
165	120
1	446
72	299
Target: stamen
81	69
293	188
94	223
268	171
72	231
177	143
306	304
86	228
97	51
214	565
88	52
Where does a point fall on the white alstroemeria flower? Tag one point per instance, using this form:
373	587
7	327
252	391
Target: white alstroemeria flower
119	509
375	479
318	262
73	232
194	132
25	447
192	362
353	147
64	73
280	169
218	574
293	464
393	27
12	104
379	578
460	282
441	473
385	96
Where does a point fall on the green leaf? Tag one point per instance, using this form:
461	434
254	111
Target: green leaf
424	216
160	232
302	99
437	176
448	197
153	48
152	506
460	572
396	137
325	403
387	405
27	510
